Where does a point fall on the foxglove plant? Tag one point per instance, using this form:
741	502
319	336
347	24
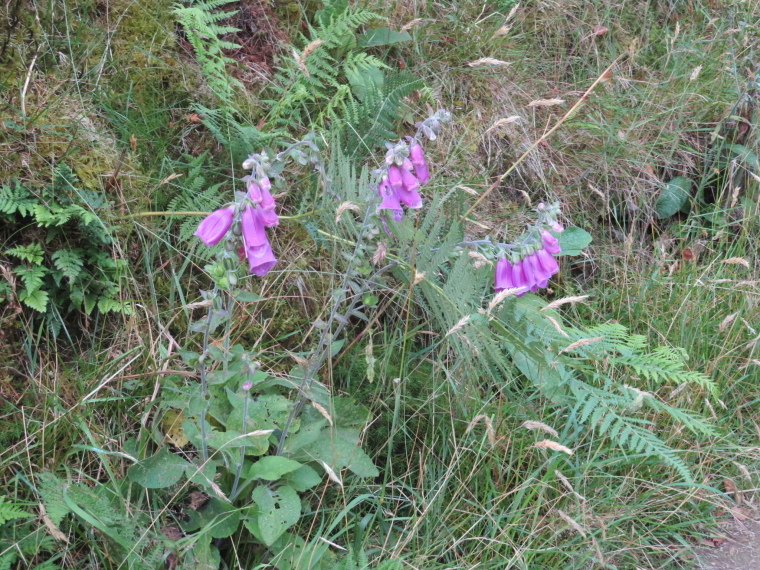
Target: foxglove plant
530	262
405	168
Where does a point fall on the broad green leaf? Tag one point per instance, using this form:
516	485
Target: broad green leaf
673	197
334	448
161	470
382	37
246	296
218	518
272	468
335	347
747	156
303	478
573	240
278	511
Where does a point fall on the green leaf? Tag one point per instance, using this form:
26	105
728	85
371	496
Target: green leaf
303	478
338	448
272	468
382	37
32	253
573	240
68	261
37	300
246	296
161	470
31	276
335	347
746	155
673	197
218	518
278	511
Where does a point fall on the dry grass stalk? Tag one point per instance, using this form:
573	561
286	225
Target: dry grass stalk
556	326
308	50
501	295
409	25
343	207
581	342
531	425
379	255
480	259
459	325
490	432
502	122
488	61
322	411
546	102
737	261
695	73
568	485
727	321
572	522
553	445
565	301
331	474
418	276
468	190
50	525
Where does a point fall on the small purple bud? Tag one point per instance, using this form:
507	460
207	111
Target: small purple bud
268	217
421	172
557	227
416	155
267	202
254	191
214	226
247	385
264	183
550	243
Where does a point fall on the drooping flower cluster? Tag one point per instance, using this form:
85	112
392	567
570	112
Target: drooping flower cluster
250	215
406	169
532	264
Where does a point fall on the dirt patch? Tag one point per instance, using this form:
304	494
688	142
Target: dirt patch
737	549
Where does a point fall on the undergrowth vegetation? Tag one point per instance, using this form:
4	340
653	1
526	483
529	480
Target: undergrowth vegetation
367	396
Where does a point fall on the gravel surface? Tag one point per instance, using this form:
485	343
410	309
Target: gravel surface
740	551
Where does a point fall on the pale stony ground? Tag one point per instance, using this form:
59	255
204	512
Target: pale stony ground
740	551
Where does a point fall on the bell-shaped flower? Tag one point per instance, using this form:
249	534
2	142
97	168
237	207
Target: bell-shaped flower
254	234
417	158
409	182
410	198
547	261
395	178
503	275
214	226
254	191
267	202
268	217
261	265
550	243
519	278
541	273
265	183
390	200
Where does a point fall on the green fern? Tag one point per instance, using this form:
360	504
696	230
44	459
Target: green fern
50	489
200	23
16	199
11	511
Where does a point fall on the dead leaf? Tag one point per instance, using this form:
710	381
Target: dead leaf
599	30
197	500
169	178
133	142
687	254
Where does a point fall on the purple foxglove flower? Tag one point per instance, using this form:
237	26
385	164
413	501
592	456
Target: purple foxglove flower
214	226
264	183
407	165
254	235
261	264
503	275
547	261
529	274
254	191
390	200
268	217
557	227
410	198
550	243
410	183
539	271
415	154
518	278
421	172
394	176
267	202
